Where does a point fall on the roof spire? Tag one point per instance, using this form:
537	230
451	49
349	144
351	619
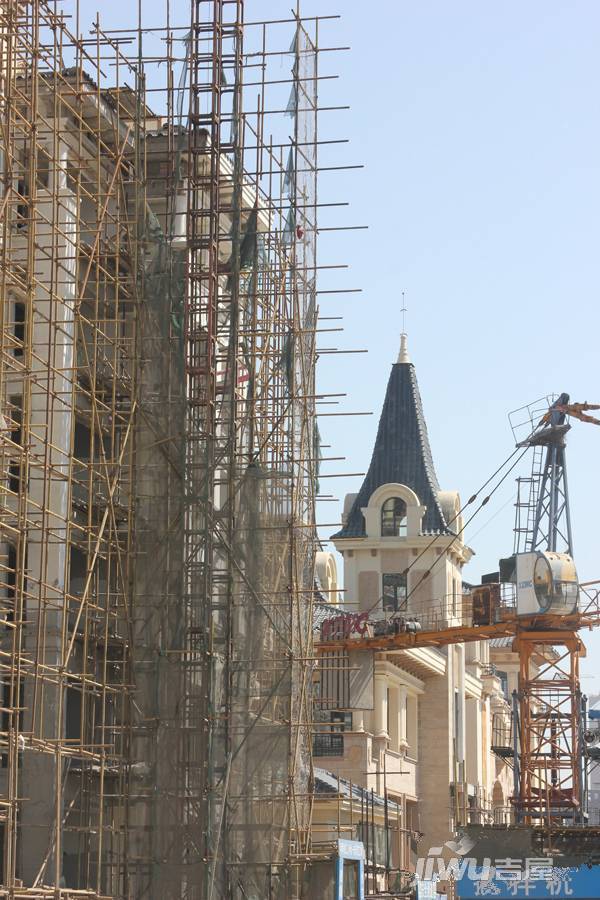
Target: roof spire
401	455
403	356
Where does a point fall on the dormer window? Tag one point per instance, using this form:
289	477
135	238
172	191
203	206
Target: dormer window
393	518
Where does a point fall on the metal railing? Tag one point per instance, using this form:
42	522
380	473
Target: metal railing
487	605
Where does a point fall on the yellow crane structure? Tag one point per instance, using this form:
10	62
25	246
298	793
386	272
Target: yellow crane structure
537	600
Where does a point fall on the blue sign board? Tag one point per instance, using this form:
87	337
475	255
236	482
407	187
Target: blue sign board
352	852
555	882
351	849
426	889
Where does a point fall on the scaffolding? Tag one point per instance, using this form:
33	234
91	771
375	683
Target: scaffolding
69	385
387	825
159	453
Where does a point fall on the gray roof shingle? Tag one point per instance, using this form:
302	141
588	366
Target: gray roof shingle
328	783
401	454
323	611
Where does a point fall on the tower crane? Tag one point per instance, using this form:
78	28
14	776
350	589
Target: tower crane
536	599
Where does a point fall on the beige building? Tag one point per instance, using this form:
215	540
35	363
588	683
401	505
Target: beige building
101	679
425	743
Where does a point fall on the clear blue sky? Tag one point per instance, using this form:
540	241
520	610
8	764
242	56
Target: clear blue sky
478	125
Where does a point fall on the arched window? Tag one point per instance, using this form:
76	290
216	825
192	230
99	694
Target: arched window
393	518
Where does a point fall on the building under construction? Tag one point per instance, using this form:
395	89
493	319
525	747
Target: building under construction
159	452
161	698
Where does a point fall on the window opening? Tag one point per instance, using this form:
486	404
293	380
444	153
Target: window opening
330	742
19	328
82	441
395	593
74	714
11	584
14	468
350	878
393	518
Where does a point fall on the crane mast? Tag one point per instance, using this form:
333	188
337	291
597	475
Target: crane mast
547	731
552	522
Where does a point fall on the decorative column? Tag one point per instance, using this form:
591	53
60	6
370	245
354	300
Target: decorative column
381	707
402	739
394	702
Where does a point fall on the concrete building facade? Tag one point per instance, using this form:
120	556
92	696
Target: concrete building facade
153	491
426	742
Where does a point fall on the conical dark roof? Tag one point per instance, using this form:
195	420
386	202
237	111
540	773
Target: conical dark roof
401	454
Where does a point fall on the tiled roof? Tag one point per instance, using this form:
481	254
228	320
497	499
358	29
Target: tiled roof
501	643
401	454
327	783
322	611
